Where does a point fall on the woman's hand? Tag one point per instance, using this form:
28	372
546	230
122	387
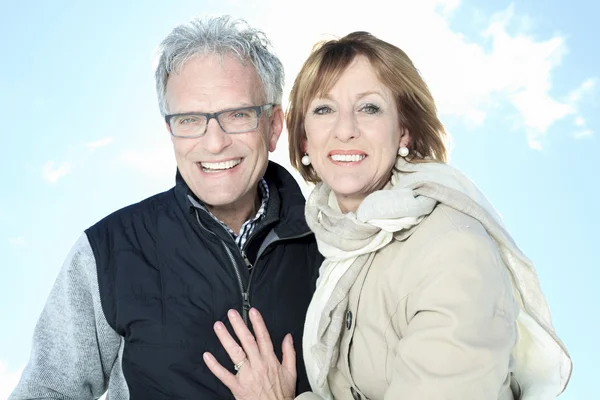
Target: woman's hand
260	375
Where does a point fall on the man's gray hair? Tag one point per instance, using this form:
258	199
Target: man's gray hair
222	35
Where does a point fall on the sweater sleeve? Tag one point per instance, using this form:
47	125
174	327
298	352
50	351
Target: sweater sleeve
461	324
74	348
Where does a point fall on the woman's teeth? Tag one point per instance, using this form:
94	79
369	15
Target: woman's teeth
347	157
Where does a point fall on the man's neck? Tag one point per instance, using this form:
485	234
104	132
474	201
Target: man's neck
234	215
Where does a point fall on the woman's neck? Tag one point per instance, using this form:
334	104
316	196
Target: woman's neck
350	202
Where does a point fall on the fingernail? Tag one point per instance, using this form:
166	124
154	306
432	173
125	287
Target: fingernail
231	314
290	339
206	356
253	311
219	325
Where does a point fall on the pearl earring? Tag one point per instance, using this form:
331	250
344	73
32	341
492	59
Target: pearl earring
306	160
403	151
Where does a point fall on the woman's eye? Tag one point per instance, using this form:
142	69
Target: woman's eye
322	110
370	109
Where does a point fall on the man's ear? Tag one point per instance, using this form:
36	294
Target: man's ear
276	127
169	130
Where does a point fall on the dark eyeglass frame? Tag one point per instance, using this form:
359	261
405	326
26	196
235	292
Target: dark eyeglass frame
209	116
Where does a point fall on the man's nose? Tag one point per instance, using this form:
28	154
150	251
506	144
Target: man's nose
215	139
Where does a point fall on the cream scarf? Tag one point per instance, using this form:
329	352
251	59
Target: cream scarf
543	366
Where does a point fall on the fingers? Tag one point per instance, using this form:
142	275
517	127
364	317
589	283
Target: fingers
289	355
244	335
221	372
265	345
235	352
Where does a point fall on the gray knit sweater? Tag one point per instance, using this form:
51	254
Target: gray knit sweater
75	353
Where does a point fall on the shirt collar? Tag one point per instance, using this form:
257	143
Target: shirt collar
262	210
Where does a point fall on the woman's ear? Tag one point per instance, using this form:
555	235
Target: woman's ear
405	139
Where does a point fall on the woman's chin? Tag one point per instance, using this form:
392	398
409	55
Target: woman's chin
351	190
352	187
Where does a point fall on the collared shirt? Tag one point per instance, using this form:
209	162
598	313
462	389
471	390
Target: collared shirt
248	226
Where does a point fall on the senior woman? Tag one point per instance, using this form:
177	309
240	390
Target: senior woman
423	293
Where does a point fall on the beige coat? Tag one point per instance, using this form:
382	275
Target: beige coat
431	318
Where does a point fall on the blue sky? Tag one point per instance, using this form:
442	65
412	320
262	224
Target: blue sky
516	84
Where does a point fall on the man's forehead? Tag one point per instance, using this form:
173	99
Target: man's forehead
213	83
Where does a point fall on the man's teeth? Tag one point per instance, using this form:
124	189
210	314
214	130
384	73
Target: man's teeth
347	157
220	166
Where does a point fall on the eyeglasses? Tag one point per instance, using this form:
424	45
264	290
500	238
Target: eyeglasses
235	120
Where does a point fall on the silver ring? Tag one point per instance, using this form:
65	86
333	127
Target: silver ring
239	365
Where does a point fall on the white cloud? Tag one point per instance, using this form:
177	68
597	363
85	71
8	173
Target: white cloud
583	134
18	241
586	87
469	76
575	97
534	144
52	172
99	143
8	380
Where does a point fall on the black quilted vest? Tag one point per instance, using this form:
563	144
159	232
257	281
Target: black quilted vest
168	271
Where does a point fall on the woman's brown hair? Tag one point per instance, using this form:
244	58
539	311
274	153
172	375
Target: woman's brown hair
322	69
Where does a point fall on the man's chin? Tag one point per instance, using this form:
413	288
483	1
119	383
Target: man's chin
221	193
223	200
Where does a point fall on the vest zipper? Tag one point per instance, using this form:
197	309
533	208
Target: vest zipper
245	294
246	305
